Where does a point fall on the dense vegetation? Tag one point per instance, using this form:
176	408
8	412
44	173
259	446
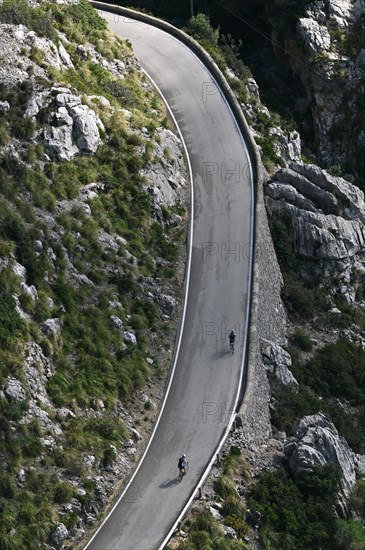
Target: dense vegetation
78	279
303	515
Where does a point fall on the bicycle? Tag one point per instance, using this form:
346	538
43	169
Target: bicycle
231	346
183	471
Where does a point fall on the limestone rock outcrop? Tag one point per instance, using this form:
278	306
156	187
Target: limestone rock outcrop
331	68
327	216
278	361
73	128
165	173
316	442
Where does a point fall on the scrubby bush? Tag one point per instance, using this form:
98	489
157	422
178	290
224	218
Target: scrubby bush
302	339
337	370
303	514
63	492
201	29
10	322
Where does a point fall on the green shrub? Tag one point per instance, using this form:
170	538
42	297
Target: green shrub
63	492
301	300
233	461
337	370
282	235
350	534
237	524
302	340
4	136
109	456
11	324
7	485
303	515
357	498
233	506
225	487
200	28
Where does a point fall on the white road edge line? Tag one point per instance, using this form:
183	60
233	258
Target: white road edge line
187	281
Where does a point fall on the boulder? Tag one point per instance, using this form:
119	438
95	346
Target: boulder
316	442
4	106
29	290
52	326
130	337
168	304
135	434
73	128
278	361
287	144
117	322
216	515
14	390
59	535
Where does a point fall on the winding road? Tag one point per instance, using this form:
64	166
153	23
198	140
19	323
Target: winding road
204	390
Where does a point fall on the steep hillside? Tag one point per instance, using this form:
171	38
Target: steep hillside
93	199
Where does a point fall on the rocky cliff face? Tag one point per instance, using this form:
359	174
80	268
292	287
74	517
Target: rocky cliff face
328	55
327	216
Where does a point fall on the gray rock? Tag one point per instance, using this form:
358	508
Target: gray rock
59	535
253	87
168	304
14	390
288	193
30	290
73	127
287	145
89	460
52	326
316	442
20	476
315	37
277	360
4	106
85	128
229	531
135	434
64	56
331	227
39	245
65	413
216	515
323	199
117	322
130	337
359	461
165	179
18	269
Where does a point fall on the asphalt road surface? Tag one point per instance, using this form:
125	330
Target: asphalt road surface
204	389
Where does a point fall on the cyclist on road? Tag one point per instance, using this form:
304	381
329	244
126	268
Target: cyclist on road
232	336
183	465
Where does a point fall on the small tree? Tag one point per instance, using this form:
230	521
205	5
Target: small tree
201	29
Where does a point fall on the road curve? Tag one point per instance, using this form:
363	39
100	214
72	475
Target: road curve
204	389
